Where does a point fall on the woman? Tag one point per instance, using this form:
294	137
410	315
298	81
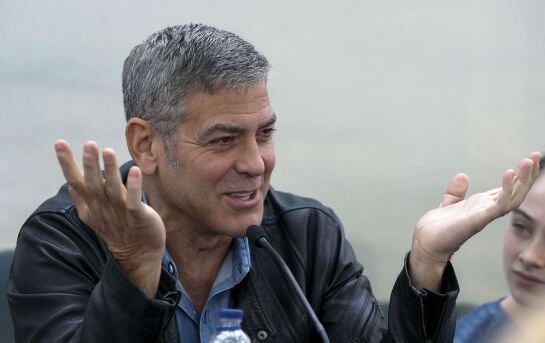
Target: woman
524	265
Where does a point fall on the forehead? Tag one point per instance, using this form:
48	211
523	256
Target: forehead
225	104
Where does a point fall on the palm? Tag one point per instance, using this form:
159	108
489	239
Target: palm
136	230
441	231
448	227
114	211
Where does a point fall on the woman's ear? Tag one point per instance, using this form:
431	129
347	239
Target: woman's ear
145	145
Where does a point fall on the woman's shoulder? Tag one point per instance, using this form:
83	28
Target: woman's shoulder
482	324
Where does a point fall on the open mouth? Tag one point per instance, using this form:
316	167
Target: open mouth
244	195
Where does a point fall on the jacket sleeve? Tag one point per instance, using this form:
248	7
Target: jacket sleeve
350	312
433	317
65	287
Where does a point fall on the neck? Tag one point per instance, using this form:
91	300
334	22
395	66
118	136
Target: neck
516	311
529	320
198	254
199	259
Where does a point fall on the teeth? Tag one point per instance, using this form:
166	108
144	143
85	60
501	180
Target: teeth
242	196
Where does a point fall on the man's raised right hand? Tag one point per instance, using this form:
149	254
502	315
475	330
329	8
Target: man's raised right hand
133	231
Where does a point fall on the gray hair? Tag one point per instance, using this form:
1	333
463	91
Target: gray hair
161	73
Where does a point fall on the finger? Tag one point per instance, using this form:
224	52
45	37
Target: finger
79	201
115	190
523	173
91	169
134	189
517	171
456	190
70	169
494	191
536	158
507	184
522	182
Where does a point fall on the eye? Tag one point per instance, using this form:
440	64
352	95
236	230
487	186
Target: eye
223	141
267	133
522	230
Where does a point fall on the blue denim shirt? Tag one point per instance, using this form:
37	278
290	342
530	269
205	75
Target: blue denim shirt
195	326
483	324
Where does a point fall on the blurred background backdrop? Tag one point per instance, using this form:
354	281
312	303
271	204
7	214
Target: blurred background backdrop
380	103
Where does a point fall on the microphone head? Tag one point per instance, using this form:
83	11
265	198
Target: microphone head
255	233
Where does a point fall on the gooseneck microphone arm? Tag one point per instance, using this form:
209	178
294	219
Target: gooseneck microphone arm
256	234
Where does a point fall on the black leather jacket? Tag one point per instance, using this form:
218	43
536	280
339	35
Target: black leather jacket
66	287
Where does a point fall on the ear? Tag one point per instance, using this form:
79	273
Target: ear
145	145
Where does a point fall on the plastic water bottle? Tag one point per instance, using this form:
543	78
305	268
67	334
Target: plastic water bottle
229	330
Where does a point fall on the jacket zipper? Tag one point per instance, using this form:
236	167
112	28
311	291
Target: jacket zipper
423	321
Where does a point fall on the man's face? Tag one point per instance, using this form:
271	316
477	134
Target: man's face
524	248
225	155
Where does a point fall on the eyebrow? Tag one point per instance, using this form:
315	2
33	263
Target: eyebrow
524	214
230	128
269	122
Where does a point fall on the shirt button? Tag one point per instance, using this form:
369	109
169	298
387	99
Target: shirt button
170	268
262	335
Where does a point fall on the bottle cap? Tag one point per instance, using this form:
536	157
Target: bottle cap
231	313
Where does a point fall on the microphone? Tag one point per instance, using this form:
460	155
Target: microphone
256	235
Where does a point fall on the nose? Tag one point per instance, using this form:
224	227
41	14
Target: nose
250	160
534	254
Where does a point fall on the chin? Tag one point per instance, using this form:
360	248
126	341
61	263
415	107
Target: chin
523	300
239	228
239	231
528	298
234	223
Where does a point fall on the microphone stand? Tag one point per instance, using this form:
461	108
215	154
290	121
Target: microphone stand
258	236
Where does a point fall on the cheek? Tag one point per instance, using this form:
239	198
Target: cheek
512	246
509	251
269	159
209	172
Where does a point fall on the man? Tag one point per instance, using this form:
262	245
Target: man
152	251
